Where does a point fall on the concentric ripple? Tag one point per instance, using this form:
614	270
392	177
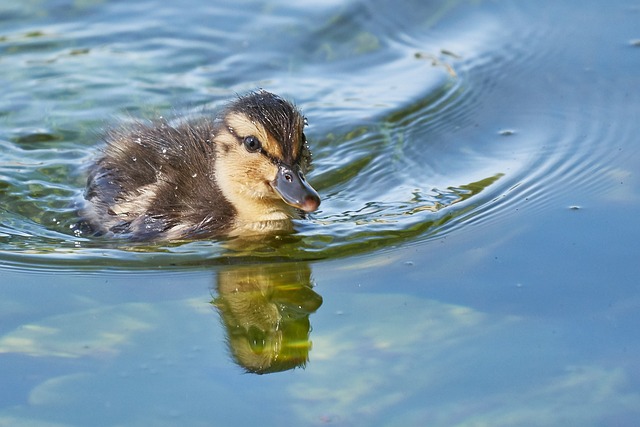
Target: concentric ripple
423	122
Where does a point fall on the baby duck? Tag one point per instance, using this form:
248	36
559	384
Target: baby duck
239	174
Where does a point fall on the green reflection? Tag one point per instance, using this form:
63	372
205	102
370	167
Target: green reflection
265	309
375	226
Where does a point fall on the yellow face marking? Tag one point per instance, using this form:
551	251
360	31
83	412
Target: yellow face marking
242	127
244	179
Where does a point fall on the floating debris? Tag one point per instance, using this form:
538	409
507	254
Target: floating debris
436	62
449	53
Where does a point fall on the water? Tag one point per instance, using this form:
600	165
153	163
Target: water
474	260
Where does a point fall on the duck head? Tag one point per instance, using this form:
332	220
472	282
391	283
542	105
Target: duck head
262	157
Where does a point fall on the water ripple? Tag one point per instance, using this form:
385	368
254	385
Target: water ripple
423	122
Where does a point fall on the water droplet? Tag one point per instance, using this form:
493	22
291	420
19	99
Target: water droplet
194	175
135	159
164	150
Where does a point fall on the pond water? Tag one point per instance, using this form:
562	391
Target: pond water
475	260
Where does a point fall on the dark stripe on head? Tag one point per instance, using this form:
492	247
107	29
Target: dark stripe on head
279	118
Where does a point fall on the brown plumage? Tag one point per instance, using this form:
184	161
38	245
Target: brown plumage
238	174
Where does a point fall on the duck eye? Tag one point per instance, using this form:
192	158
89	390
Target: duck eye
252	144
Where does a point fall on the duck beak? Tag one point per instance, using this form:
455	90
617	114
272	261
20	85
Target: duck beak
294	189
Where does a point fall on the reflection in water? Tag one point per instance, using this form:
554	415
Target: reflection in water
265	309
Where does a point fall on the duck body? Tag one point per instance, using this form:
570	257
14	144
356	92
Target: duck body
241	173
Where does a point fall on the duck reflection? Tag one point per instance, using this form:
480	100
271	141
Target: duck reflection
265	309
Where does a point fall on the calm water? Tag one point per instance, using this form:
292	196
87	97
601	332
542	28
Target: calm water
474	261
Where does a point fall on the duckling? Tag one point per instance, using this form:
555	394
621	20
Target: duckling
239	174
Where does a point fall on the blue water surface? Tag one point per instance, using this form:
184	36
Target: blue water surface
474	261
